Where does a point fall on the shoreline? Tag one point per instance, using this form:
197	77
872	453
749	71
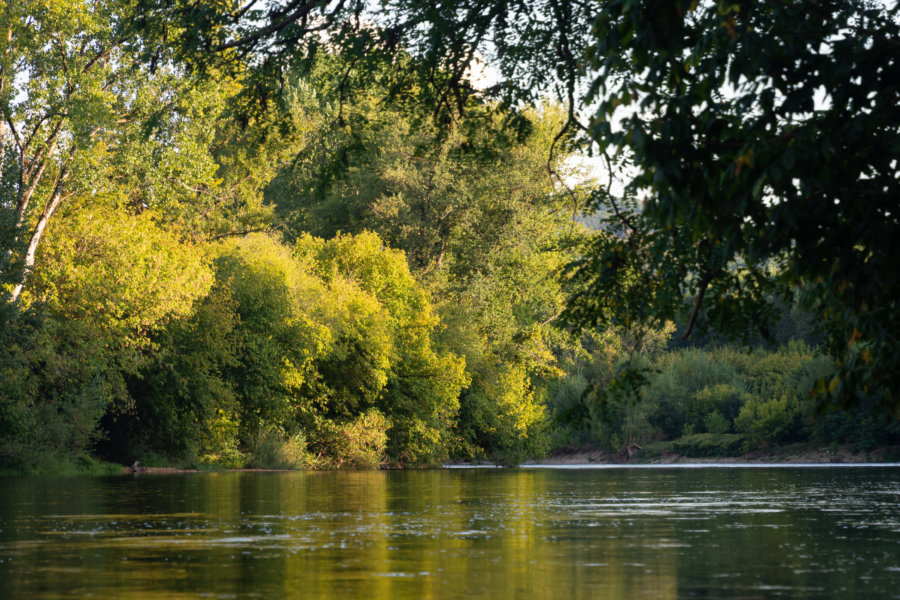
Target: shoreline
784	455
588	456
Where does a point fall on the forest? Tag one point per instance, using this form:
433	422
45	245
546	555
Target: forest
305	236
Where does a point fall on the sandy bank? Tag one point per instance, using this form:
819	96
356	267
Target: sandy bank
788	455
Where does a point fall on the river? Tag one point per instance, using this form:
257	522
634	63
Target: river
565	533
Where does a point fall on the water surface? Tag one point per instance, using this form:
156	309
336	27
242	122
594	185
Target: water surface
474	533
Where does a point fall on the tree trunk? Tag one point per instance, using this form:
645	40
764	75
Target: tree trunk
3	82
36	236
2	139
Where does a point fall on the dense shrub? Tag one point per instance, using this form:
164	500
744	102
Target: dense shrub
700	445
108	283
356	444
293	346
271	448
700	397
689	386
776	420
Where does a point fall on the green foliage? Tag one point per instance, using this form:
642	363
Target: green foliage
193	161
276	342
357	444
762	134
231	371
596	400
386	354
776	420
296	347
504	416
109	282
743	168
717	406
481	221
219	440
701	445
715	423
707	401
125	273
412	312
690	386
223	353
271	448
59	378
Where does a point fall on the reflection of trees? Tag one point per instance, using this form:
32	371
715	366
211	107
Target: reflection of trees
428	534
434	534
438	534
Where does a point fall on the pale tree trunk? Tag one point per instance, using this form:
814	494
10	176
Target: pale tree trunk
38	233
2	139
30	179
3	83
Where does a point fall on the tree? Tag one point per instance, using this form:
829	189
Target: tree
383	356
99	154
64	87
110	282
81	117
483	219
747	183
764	135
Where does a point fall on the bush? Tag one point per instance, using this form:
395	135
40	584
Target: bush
271	448
716	406
690	385
503	414
710	444
219	443
357	444
778	420
716	423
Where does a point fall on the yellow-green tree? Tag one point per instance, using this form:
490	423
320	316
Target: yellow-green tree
419	385
110	281
483	213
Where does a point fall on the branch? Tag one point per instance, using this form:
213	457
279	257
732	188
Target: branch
44	151
15	133
619	215
55	200
304	10
704	284
237	233
342	90
34	130
242	11
102	54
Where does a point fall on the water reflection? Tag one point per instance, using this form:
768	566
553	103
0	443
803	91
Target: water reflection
660	533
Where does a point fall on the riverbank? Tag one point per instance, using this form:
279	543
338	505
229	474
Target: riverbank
585	455
661	455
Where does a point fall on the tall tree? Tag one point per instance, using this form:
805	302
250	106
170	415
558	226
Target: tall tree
482	214
84	118
765	140
62	78
762	132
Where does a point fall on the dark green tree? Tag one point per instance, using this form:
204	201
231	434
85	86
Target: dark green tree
763	135
765	140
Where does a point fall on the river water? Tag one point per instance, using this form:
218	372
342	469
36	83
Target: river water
456	533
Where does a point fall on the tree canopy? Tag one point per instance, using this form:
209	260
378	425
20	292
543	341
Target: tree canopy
762	136
297	233
764	140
